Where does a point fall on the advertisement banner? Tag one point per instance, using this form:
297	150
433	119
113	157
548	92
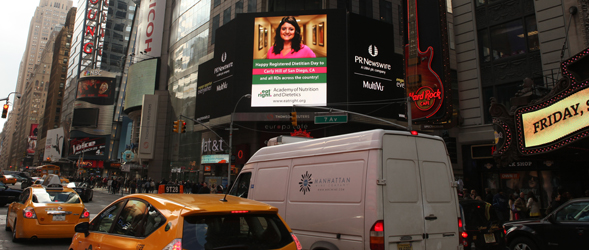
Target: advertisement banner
32	139
102	88
87	146
54	144
151	28
148	123
375	70
290	61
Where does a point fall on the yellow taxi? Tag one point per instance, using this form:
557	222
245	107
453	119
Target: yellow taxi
64	181
187	222
7	179
49	210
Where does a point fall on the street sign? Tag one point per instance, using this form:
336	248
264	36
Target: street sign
324	119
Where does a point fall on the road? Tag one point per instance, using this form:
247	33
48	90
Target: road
101	199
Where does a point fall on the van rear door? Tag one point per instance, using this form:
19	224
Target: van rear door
440	204
419	208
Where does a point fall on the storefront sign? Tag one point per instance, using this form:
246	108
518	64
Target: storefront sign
220	158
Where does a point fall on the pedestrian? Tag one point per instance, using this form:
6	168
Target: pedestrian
533	205
204	189
488	195
152	186
473	194
520	207
466	194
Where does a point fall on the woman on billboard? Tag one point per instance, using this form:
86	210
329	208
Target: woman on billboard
287	42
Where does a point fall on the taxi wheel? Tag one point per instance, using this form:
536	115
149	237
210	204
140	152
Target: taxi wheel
6	226
14	238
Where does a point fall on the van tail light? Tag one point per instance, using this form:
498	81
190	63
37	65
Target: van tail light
176	244
413	132
463	234
460	223
29	213
85	214
377	236
296	240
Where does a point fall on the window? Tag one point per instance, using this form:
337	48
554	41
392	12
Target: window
508	39
252	6
241	189
215	25
365	8
132	219
386	11
578	211
103	221
226	15
239	7
216	3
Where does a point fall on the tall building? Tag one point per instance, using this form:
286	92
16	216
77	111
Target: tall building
52	114
49	15
99	45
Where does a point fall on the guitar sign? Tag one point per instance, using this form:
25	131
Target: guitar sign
423	85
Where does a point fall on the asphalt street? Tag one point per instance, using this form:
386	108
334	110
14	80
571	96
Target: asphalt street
101	199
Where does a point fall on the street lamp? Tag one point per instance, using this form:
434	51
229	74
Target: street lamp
231	138
18	95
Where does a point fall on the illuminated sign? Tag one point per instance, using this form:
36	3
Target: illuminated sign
561	119
220	158
97	11
290	61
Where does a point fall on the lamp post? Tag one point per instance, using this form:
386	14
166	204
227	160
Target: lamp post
231	138
18	95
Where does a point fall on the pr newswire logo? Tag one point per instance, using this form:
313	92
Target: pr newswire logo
373	50
265	93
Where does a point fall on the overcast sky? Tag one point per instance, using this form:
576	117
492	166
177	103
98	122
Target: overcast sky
15	22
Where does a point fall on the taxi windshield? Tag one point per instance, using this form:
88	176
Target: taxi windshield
56	197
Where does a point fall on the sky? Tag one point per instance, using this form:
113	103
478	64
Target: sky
14	29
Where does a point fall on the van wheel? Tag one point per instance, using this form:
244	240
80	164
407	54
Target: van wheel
522	244
14	238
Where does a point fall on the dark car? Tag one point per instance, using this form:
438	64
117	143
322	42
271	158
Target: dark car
567	227
84	190
8	195
480	227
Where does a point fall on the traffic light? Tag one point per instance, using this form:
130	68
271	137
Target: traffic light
5	110
293	118
176	126
183	129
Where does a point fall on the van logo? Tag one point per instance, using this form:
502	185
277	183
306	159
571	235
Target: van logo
306	182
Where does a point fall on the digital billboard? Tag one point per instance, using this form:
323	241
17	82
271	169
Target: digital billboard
290	61
141	81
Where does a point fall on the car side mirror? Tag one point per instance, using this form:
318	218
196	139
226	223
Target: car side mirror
82	227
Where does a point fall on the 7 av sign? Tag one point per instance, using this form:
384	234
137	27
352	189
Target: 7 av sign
324	119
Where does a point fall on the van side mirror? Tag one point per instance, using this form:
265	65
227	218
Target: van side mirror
82	227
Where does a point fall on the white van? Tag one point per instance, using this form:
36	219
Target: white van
369	190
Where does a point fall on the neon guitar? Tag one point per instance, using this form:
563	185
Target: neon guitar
423	85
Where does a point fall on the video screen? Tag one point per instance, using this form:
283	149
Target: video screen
290	61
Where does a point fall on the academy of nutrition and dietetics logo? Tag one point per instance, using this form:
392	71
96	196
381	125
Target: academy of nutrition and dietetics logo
305	183
372	50
223	56
265	93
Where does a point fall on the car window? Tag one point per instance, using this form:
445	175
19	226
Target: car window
24	196
241	189
252	231
132	219
56	197
103	221
154	220
578	211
